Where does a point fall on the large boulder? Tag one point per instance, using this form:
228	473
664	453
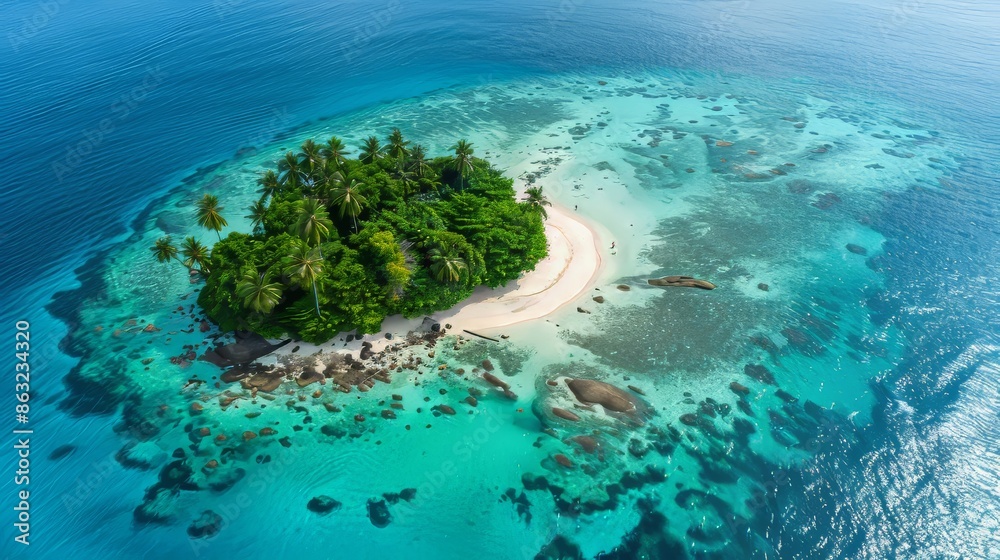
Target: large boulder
309	377
247	348
590	391
681	282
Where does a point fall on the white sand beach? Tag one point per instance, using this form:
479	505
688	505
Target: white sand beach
569	270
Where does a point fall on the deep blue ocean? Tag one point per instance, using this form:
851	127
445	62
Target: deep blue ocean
107	107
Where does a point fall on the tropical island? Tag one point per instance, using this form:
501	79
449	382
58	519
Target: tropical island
338	244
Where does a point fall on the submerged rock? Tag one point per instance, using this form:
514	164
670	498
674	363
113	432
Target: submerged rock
800	186
499	383
227	480
560	548
826	200
563	460
587	443
802	341
637	448
857	249
739	388
206	526
743	427
445	409
61	451
759	372
785	396
637	390
378	513
157	508
565	414
322	504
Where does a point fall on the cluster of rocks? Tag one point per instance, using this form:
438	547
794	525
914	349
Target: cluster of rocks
378	510
158	505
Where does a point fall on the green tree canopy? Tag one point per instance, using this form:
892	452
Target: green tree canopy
433	229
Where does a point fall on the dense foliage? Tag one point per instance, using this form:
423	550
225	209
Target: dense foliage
339	244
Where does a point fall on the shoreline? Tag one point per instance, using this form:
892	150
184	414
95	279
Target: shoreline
572	267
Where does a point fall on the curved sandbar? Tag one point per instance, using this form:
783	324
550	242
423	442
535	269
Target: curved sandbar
569	270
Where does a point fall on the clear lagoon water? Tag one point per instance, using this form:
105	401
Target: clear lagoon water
845	155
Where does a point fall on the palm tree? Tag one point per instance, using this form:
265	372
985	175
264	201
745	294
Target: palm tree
462	161
269	185
256	216
334	151
289	171
195	253
258	292
418	161
209	214
398	146
313	224
405	177
446	266
305	265
310	159
535	199
349	200
164	250
371	150
331	176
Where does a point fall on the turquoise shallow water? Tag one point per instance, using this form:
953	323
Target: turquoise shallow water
887	450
